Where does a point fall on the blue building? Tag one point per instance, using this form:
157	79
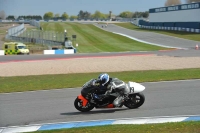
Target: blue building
185	16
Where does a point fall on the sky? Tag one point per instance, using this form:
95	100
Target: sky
72	7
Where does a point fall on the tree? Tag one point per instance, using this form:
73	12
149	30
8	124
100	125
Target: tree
29	17
57	15
97	15
172	2
126	14
2	15
38	17
73	17
48	15
84	15
107	16
190	1
10	17
81	14
145	14
141	14
65	15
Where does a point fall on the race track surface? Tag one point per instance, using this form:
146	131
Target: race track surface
152	37
172	53
162	99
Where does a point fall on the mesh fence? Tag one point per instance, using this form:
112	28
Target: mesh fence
37	36
35	23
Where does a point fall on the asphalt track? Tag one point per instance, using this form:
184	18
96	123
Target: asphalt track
162	99
173	53
152	37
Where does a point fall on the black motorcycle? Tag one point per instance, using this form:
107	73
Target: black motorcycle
87	100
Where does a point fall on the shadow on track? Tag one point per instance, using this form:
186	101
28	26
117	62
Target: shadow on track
95	112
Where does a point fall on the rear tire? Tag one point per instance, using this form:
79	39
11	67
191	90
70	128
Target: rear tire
78	106
135	101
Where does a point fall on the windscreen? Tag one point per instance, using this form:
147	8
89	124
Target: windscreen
21	47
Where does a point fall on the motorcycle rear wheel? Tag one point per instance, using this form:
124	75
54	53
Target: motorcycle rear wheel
135	101
78	106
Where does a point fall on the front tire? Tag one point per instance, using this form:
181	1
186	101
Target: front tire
78	106
135	101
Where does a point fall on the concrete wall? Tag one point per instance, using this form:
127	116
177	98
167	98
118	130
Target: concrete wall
66	51
1	52
183	16
177	13
192	15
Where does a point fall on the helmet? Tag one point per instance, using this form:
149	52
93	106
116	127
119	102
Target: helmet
103	78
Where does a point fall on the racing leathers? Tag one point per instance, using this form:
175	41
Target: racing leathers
114	84
119	86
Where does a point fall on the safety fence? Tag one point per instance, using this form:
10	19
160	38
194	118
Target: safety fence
35	23
35	36
43	37
168	28
16	31
172	28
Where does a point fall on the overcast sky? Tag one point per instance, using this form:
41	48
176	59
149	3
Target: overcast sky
72	7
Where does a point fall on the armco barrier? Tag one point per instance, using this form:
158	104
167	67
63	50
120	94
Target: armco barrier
170	28
2	52
66	51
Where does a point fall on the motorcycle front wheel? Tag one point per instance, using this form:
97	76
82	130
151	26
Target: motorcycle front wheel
135	101
78	104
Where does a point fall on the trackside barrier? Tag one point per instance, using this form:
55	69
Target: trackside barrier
66	51
16	31
169	28
2	52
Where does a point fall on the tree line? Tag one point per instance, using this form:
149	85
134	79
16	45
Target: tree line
87	15
178	2
96	15
128	14
81	15
29	17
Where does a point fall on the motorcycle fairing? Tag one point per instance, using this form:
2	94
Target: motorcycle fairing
110	106
85	101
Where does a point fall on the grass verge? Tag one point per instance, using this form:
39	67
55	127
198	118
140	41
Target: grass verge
180	127
185	35
92	39
46	82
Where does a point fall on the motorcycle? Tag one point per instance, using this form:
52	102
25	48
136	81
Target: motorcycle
86	101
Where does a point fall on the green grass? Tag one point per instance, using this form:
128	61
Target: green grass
179	127
2	32
46	82
185	35
30	29
93	40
